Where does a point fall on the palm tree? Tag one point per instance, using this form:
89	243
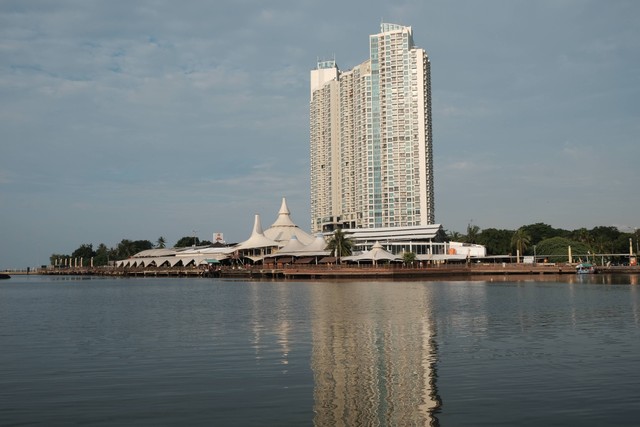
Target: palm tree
520	240
472	233
339	245
161	243
454	236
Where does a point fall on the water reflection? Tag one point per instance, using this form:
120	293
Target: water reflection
634	302
374	355
602	279
271	321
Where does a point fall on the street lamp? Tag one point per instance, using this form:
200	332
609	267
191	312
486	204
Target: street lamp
534	254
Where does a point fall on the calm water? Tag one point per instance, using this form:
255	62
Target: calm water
564	351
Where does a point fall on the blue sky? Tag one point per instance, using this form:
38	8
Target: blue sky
142	119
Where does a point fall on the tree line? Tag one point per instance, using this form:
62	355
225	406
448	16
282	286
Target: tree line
103	255
544	240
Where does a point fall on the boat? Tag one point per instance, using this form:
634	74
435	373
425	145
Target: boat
4	276
585	268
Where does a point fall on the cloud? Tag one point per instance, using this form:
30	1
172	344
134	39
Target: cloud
158	117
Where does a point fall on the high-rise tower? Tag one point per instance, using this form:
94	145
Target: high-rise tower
371	140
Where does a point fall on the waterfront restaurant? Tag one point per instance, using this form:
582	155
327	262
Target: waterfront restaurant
285	243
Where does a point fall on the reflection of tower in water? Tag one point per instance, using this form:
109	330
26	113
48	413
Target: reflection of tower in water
271	321
374	356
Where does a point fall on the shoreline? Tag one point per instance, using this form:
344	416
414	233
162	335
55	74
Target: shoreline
333	271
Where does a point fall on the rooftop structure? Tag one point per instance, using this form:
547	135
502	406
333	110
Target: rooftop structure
283	229
284	236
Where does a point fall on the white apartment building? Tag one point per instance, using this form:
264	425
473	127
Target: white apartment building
371	139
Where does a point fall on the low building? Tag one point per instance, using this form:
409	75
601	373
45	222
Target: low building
421	240
286	243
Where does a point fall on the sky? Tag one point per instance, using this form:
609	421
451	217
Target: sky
135	120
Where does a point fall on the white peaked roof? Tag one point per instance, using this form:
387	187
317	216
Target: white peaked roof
155	253
158	261
297	249
319	245
204	251
284	216
257	239
293	246
377	253
284	229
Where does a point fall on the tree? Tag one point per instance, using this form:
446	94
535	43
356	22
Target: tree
124	249
472	233
497	242
604	238
582	235
540	231
127	248
55	258
161	242
187	241
408	258
454	236
339	245
142	245
102	255
441	236
556	249
520	241
85	251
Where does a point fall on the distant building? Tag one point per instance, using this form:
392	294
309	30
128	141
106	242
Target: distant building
371	138
286	243
284	236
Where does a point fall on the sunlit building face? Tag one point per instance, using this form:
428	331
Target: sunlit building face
371	138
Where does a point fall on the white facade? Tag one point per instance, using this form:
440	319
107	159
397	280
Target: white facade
467	249
371	139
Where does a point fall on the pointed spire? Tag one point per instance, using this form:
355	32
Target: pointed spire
257	226
284	216
257	238
284	227
284	210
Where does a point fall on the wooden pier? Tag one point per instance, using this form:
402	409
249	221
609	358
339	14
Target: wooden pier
130	272
332	271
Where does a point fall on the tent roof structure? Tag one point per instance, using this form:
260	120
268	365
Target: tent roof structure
171	260
155	253
297	249
283	233
293	245
283	229
206	251
377	253
257	238
319	244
